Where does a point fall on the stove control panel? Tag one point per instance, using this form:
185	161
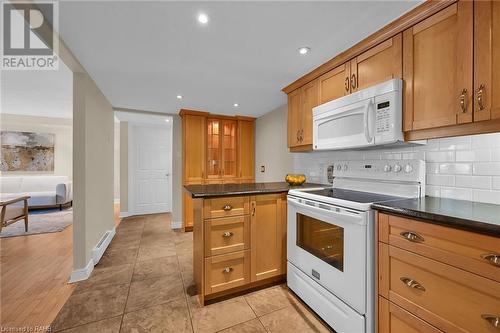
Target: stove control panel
394	170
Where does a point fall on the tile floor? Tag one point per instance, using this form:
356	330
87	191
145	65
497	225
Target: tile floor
144	283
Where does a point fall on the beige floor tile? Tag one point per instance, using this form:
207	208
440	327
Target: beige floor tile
99	303
116	257
188	282
120	274
270	299
251	326
185	262
169	317
154	291
218	316
155	251
155	268
111	325
294	318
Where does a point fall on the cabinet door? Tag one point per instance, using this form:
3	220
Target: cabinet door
437	69
294	109
194	152
246	149
334	84
188	211
228	148
380	63
486	60
310	99
268	236
214	154
393	319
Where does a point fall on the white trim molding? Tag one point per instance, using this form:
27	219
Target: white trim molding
176	224
102	245
82	273
125	214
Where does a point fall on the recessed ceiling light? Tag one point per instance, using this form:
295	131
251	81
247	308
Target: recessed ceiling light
236	105
304	50
167	120
179	96
203	18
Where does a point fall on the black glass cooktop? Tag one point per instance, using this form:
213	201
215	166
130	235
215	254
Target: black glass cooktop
355	196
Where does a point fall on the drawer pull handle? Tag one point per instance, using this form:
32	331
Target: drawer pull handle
227	270
412	283
227	207
493	320
227	234
412	236
492	258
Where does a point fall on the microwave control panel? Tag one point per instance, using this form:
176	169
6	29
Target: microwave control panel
388	118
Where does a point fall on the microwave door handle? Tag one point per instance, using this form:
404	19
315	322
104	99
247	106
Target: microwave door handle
369	121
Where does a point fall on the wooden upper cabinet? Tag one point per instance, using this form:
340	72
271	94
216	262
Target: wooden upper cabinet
194	151
310	99
334	84
246	150
486	60
229	148
221	148
294	114
437	69
214	152
380	63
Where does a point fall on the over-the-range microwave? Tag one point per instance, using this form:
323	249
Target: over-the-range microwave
367	118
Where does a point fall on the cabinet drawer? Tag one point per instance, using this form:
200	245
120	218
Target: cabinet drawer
394	319
226	206
479	254
227	271
225	235
449	298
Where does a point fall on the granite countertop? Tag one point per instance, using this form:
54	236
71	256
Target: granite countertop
467	215
222	190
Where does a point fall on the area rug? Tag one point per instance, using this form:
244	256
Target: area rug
40	222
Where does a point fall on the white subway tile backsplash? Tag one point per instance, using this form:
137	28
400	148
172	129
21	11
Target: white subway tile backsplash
440	156
456	193
466	168
455	168
487	169
480	182
442	180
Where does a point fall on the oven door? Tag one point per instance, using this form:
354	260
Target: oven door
349	126
328	243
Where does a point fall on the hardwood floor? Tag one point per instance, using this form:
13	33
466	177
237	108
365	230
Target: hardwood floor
34	274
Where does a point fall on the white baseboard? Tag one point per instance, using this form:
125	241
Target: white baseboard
176	224
82	273
102	245
125	214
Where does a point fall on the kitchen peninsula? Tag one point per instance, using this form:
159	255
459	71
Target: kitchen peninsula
239	236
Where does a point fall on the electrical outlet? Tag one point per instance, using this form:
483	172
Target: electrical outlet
262	168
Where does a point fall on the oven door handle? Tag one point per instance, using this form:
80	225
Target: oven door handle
358	219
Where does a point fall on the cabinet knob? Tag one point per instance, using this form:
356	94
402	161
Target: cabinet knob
227	207
227	234
492	320
227	270
412	236
347	84
353	81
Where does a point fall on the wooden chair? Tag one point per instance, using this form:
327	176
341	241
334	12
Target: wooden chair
10	212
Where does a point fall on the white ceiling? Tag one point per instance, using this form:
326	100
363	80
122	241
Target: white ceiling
37	93
142	54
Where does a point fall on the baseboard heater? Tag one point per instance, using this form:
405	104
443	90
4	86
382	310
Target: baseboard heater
102	245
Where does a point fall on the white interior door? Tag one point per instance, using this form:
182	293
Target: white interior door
152	168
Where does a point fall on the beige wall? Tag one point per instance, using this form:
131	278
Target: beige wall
63	147
116	162
93	125
271	148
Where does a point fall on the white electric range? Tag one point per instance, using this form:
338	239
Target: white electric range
331	238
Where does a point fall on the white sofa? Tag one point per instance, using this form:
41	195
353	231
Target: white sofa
45	191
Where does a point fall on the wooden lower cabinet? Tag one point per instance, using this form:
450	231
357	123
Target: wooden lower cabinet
239	243
424	277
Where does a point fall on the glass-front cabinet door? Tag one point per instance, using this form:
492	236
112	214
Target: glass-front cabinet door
214	153
229	167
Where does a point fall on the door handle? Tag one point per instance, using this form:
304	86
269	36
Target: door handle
492	258
347	84
353	81
412	283
480	97
463	100
492	320
412	236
